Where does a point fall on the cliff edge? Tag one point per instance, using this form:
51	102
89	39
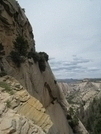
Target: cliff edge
19	59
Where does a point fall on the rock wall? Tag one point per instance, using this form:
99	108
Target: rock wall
12	23
41	85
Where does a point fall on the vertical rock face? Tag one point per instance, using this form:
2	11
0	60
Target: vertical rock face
35	75
13	22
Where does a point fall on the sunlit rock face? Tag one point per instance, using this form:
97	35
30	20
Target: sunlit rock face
19	59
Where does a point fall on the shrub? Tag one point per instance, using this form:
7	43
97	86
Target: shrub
20	51
40	57
21	46
16	58
44	55
42	64
34	55
72	118
30	55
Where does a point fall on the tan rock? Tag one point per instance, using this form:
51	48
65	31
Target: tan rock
2	108
6	124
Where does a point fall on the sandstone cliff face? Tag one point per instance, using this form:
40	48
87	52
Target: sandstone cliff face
40	84
13	23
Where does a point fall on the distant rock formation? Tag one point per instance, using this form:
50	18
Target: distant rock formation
85	98
83	92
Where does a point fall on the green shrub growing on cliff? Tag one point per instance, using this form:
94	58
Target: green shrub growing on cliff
21	45
20	51
44	55
34	55
42	64
40	57
72	119
42	61
16	58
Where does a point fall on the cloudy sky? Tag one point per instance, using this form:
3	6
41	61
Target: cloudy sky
70	32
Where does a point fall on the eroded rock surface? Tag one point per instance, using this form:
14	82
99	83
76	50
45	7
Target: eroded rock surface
19	112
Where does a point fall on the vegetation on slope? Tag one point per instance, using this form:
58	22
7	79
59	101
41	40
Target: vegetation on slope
6	87
72	119
20	52
40	57
92	117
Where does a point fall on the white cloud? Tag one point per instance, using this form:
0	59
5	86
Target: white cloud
66	28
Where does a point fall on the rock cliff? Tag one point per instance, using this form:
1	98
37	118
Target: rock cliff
19	59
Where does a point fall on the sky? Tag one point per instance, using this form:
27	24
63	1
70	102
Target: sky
69	31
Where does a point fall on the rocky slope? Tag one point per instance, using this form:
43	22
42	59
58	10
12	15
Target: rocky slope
20	113
91	117
19	59
85	99
83	93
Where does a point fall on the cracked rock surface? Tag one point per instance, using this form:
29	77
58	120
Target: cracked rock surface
16	117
